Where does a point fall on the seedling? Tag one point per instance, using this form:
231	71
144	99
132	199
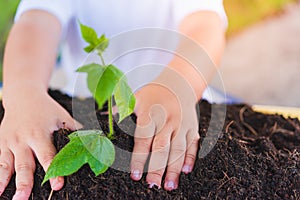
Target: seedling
94	147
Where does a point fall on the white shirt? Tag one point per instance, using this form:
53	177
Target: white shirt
141	33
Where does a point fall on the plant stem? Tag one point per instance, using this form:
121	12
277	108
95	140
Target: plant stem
102	59
110	119
110	114
50	196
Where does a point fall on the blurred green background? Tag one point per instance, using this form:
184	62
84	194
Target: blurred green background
241	13
8	8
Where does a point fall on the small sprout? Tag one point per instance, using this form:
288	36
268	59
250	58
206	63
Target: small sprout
93	147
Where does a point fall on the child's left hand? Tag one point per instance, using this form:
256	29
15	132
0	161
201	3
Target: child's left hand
167	126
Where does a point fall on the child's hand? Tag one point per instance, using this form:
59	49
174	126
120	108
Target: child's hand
26	130
167	126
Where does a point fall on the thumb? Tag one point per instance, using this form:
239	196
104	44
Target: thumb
72	124
66	121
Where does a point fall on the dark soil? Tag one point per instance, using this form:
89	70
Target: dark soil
256	157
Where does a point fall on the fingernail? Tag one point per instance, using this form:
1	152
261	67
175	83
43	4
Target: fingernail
19	195
186	169
136	174
151	185
170	185
56	184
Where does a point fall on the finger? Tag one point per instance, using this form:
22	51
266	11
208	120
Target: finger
192	148
45	152
69	123
142	144
6	169
159	157
25	167
176	160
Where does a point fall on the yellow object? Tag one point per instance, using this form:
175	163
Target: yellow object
286	112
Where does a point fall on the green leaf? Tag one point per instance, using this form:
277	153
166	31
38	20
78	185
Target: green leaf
89	48
102	44
94	72
104	81
84	147
106	84
89	35
101	81
124	98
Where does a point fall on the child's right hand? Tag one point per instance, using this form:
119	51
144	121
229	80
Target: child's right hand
30	118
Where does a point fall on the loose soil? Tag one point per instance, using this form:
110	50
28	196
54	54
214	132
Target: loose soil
256	157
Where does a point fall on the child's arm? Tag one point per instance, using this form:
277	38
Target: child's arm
167	122
31	115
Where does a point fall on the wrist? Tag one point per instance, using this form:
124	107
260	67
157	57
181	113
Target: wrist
194	79
179	85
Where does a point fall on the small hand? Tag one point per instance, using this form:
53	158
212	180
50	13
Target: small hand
25	132
167	126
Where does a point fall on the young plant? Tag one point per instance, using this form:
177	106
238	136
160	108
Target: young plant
94	147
